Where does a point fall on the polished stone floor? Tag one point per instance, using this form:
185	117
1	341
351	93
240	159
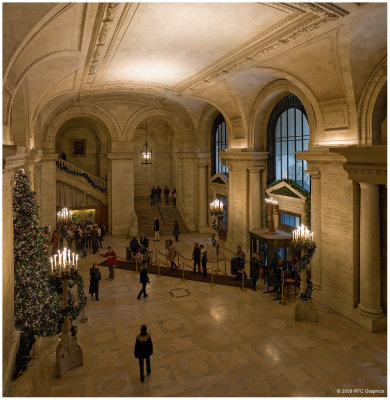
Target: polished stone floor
208	341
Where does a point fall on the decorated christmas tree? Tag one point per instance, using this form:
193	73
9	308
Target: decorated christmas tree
37	303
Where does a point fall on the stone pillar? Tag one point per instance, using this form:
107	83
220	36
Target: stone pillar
204	159
48	190
316	226
254	199
122	218
263	184
370	265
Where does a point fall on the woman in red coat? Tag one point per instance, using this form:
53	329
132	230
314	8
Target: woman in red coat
111	261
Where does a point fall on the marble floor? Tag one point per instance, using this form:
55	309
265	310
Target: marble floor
208	341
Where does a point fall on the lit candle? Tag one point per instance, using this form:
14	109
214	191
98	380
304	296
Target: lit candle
51	260
73	258
55	260
68	256
59	260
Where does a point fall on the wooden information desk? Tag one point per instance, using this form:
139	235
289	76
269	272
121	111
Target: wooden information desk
276	240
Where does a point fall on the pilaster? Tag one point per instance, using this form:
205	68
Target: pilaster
203	163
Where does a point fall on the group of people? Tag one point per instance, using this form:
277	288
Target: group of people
85	236
139	247
156	192
199	255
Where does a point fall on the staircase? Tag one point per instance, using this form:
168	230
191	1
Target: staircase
146	214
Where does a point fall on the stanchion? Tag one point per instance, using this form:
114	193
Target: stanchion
83	319
282	302
212	277
182	278
242	280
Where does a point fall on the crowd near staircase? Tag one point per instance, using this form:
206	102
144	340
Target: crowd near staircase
168	213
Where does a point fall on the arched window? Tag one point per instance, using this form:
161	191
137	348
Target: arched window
219	142
288	131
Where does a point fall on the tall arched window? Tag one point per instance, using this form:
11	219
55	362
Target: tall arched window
219	142
288	131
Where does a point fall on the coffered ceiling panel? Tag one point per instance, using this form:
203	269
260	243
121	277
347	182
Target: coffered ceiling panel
166	43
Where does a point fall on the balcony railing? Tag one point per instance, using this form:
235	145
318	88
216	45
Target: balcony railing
71	169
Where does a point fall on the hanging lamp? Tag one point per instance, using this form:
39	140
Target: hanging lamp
146	152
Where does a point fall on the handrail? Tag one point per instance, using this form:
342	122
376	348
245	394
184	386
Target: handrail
160	213
70	168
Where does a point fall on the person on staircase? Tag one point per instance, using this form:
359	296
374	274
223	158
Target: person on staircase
152	196
172	256
156	230
176	231
158	193
173	195
166	195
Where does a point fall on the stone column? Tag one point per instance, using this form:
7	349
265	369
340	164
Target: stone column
254	199
370	265
316	226
122	218
48	190
204	159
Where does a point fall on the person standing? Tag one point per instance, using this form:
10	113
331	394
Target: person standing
254	269
172	256
176	231
152	195
87	235
82	244
158	193
54	240
166	194
111	261
144	279
144	242
69	236
156	230
103	232
134	246
94	282
173	194
204	260
143	349
196	257
99	231
94	240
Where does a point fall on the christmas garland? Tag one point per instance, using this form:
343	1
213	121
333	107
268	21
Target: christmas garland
309	248
302	191
64	168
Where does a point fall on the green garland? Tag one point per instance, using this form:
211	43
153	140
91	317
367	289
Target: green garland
301	191
310	248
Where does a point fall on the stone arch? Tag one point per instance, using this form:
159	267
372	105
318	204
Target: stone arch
367	102
264	105
182	128
106	125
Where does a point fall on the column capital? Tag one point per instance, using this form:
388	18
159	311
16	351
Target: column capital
314	173
256	170
245	159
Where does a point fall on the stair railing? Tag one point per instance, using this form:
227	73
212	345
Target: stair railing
160	213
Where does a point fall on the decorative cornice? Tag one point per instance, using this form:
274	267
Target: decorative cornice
278	35
105	27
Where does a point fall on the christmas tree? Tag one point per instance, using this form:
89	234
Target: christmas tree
37	303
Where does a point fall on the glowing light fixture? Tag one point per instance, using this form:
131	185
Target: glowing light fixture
146	152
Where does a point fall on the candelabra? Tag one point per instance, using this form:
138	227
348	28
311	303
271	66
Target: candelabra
64	216
216	210
271	207
69	353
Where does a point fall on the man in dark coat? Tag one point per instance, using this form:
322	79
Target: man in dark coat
152	196
143	349
166	194
254	269
144	242
134	246
156	230
158	193
204	260
94	239
196	257
94	282
144	279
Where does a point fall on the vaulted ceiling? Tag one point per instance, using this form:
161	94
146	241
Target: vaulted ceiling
190	53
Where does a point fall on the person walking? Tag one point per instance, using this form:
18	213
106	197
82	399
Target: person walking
254	270
176	231
156	230
173	195
196	257
166	194
204	260
94	282
111	261
172	256
143	349
144	279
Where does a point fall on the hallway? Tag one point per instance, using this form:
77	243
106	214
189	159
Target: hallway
212	341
